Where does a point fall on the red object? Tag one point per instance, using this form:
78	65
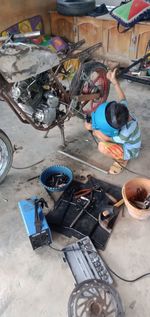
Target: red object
38	40
102	82
137	7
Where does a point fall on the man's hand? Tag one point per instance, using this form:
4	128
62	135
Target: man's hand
111	75
101	136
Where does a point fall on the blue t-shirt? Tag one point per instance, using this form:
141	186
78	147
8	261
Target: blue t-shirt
129	136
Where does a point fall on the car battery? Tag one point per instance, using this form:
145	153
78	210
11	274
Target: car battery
35	222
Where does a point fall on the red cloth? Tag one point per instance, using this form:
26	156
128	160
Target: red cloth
137	7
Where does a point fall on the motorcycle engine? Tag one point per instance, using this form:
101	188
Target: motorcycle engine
35	98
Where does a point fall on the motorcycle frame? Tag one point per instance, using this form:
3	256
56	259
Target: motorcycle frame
5	89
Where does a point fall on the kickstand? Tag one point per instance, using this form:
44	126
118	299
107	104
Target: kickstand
61	127
46	134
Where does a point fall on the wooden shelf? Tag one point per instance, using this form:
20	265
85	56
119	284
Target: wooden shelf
116	46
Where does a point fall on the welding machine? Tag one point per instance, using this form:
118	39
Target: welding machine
34	220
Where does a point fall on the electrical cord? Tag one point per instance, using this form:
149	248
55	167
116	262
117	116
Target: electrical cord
133	172
114	273
23	168
126	280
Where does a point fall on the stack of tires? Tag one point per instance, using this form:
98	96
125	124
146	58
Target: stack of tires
75	7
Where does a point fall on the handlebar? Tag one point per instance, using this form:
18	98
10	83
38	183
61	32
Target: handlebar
20	36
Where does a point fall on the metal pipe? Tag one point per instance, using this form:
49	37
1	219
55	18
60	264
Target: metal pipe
141	80
20	36
83	162
126	69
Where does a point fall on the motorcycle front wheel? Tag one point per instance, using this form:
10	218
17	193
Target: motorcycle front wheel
6	155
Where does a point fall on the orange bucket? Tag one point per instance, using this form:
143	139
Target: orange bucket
129	190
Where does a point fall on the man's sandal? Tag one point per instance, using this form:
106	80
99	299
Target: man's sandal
117	167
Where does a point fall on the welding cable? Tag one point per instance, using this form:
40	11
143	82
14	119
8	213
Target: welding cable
23	168
126	280
133	172
114	273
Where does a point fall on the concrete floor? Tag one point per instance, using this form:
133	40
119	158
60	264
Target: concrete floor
38	283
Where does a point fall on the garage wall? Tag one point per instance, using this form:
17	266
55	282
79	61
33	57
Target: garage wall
12	11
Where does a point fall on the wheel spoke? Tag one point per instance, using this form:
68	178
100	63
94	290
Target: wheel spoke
95	296
111	312
84	303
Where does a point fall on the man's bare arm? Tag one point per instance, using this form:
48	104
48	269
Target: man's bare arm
111	75
119	91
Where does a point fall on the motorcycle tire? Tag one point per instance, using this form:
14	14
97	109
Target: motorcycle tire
75	7
77	84
6	155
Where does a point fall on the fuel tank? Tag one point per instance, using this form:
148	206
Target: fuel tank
21	61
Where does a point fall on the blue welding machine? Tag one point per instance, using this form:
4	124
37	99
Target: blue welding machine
34	220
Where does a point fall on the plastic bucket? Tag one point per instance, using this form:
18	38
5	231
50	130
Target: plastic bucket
129	190
53	170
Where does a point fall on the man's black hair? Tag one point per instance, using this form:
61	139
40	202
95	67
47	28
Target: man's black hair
117	114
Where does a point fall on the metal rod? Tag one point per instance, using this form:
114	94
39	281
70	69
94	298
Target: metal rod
136	79
81	212
126	69
83	162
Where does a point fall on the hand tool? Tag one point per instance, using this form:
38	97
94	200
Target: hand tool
97	188
106	216
81	212
87	191
83	192
112	198
119	203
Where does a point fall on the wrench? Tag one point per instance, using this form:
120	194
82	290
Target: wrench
81	212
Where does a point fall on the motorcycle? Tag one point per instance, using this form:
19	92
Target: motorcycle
30	85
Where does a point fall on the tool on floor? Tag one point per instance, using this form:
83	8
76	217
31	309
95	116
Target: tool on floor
57	180
89	190
106	217
119	203
87	224
81	212
141	199
35	222
82	161
96	188
112	198
142	204
85	262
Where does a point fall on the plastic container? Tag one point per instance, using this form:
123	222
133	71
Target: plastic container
53	170
129	190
